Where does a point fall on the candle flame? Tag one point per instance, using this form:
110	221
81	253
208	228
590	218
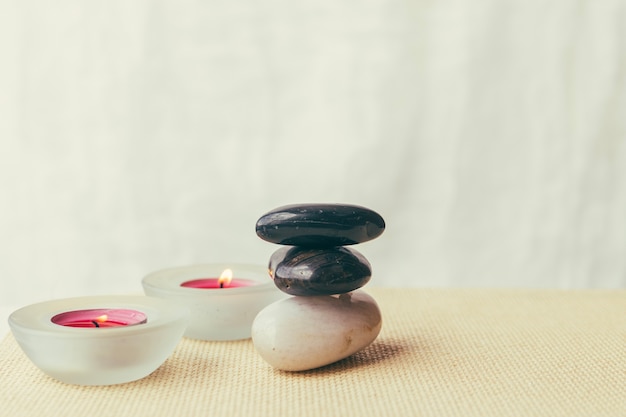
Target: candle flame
102	318
226	277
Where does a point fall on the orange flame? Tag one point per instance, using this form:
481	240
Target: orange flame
225	279
102	318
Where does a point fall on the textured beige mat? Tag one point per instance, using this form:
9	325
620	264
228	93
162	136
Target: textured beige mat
440	353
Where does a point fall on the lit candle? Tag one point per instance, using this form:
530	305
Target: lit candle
55	336
225	280
220	309
97	318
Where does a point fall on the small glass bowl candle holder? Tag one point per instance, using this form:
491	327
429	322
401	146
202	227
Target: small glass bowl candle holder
99	340
218	312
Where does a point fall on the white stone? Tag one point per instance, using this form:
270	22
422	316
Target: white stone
301	333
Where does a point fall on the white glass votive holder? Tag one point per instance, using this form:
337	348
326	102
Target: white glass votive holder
216	313
100	355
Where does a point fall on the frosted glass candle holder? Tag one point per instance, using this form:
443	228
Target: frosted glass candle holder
216	313
130	343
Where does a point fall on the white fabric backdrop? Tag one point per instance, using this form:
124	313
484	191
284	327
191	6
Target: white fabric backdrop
138	135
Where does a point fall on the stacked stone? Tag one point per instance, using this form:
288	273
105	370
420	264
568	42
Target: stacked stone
328	318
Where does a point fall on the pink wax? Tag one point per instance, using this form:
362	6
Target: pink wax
101	317
210	283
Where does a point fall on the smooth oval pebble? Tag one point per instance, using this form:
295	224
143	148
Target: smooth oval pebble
306	272
301	333
320	225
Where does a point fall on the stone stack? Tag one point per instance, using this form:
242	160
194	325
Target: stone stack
328	318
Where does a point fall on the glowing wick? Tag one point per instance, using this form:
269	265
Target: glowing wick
225	279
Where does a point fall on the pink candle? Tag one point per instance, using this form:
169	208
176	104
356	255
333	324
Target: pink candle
101	317
225	280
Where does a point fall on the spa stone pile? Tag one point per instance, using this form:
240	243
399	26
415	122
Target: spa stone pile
328	318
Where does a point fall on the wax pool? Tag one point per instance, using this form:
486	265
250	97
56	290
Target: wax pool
224	281
208	283
100	317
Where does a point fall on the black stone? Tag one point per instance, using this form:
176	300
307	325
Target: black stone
320	225
306	271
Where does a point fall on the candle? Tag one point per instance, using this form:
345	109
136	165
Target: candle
55	336
99	318
220	310
225	280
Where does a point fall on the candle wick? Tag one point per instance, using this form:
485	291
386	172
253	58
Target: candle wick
95	323
221	285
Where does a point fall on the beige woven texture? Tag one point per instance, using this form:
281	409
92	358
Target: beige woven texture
440	353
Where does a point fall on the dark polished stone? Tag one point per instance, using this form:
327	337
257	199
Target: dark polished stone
320	225
306	271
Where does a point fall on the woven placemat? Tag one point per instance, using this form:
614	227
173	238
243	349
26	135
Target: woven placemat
440	353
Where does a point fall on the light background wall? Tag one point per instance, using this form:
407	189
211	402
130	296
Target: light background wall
138	135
